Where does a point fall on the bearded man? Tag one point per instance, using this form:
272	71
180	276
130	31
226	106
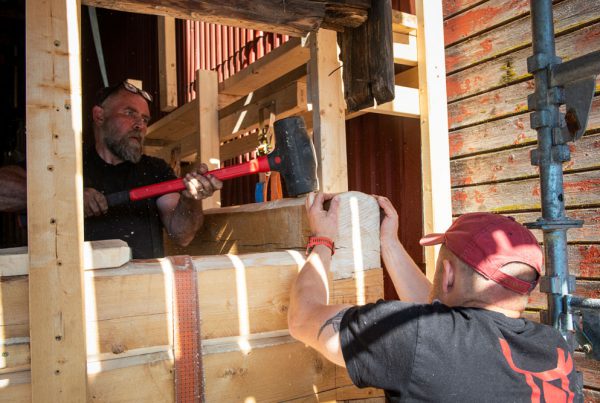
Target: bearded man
116	163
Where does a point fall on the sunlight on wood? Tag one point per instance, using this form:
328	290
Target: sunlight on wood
242	303
359	266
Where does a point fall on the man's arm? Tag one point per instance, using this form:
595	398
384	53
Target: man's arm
409	281
13	189
310	318
181	214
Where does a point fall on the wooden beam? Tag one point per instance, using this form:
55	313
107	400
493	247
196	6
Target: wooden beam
288	101
167	64
176	125
55	215
404	23
288	61
405	49
96	255
435	154
408	78
380	41
239	146
292	17
257	227
329	126
366	54
208	127
405	103
278	62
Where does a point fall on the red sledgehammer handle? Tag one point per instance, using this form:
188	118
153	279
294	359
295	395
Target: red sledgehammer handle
260	164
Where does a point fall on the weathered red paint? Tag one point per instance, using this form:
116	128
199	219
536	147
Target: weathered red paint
456	143
583	186
479	197
480	18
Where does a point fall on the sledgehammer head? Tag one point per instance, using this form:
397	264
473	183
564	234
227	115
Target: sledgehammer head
294	156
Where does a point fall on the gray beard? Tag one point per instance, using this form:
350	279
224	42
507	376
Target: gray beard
123	149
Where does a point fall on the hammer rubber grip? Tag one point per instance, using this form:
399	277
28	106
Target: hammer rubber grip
260	164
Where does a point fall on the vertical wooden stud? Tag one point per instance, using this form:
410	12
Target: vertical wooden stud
167	64
208	126
54	207
435	155
329	126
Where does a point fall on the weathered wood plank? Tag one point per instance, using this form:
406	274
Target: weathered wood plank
294	17
590	395
583	288
581	189
482	17
381	63
589	233
492	105
584	260
590	369
568	14
512	67
455	6
503	133
516	163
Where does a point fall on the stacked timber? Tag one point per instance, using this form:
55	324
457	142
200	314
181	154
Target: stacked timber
135	313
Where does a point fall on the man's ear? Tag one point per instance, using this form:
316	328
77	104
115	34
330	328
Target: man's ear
98	114
447	275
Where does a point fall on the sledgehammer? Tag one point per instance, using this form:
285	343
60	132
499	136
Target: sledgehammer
293	157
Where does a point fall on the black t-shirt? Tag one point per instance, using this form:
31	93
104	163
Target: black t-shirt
433	353
137	223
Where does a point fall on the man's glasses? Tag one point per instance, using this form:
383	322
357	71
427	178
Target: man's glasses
108	91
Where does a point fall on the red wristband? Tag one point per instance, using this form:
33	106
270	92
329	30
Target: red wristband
319	240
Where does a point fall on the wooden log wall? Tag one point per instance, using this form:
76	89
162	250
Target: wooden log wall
487	44
247	352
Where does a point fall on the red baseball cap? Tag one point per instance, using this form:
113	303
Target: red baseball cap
487	242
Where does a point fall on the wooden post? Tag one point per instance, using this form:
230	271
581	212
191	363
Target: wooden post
54	207
167	63
208	126
435	155
329	126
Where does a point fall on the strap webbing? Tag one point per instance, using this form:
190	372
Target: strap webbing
189	385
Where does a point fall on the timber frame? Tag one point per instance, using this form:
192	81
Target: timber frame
54	115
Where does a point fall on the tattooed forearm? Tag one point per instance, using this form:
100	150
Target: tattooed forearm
334	321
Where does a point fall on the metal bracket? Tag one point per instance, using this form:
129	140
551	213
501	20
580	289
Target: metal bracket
563	224
587	332
578	99
540	61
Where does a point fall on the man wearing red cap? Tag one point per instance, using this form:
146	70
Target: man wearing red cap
460	339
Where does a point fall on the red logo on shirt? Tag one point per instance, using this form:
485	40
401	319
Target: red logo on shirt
551	393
